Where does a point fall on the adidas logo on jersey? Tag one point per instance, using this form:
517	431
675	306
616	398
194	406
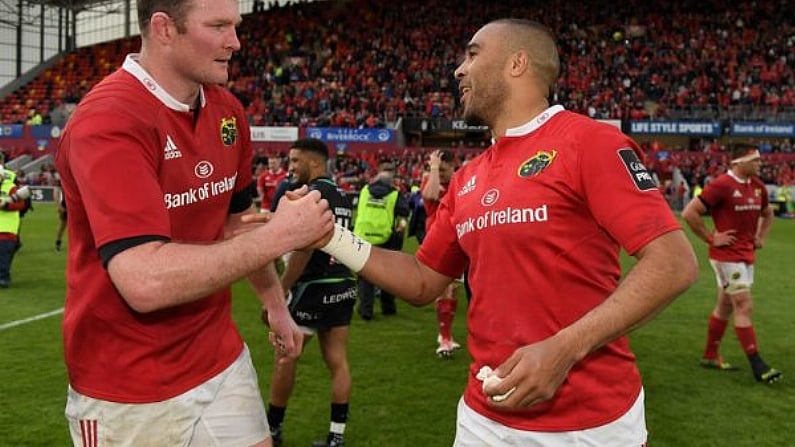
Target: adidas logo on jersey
468	187
737	193
170	151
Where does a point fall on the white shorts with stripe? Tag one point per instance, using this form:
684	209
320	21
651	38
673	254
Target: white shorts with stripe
225	411
475	430
733	277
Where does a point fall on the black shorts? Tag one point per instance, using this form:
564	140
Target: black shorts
324	303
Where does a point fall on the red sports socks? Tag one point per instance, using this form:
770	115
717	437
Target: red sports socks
715	330
747	338
445	312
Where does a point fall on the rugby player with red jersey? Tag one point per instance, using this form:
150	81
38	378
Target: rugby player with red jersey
737	201
269	181
155	168
433	187
540	218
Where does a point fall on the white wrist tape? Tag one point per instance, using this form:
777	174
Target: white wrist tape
348	248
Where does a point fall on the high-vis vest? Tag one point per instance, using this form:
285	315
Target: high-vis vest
375	217
9	220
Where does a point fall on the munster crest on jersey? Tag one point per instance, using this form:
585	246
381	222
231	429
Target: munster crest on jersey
537	163
228	131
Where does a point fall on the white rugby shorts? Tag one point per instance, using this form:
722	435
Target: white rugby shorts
475	430
225	411
733	277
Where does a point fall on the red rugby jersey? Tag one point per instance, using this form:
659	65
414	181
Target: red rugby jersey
136	162
540	217
735	204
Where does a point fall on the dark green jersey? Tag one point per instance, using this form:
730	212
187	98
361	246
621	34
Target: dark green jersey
320	264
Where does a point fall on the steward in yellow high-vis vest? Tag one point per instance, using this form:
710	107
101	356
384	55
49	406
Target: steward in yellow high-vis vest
381	219
375	215
12	201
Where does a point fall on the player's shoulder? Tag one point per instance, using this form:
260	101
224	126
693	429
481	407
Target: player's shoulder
216	94
325	185
119	92
579	124
721	182
577	133
330	191
118	100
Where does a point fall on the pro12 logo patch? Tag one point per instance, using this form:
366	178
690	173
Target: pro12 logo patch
637	171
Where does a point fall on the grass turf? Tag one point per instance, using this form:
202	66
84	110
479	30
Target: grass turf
402	394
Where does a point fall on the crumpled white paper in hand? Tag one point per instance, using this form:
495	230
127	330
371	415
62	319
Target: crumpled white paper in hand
488	377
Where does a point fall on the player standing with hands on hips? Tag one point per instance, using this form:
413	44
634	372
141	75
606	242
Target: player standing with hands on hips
156	171
540	218
742	216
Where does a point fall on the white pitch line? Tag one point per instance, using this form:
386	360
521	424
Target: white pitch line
11	324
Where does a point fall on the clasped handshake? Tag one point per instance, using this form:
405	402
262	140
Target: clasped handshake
302	217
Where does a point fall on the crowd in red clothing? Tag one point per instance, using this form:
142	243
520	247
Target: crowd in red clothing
695	167
365	63
698	168
352	171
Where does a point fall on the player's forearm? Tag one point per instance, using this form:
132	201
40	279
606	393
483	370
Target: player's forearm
404	276
267	287
159	275
695	222
433	187
701	231
397	272
665	268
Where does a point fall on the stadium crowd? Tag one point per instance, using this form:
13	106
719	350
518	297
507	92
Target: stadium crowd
696	168
351	171
364	63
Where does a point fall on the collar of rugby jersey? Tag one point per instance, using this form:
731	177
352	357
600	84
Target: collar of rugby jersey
132	66
737	178
535	123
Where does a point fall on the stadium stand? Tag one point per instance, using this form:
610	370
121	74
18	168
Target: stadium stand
366	64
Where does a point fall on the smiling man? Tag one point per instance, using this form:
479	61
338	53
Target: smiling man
156	172
539	220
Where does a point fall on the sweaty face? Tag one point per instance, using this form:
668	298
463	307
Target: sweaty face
480	77
203	50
